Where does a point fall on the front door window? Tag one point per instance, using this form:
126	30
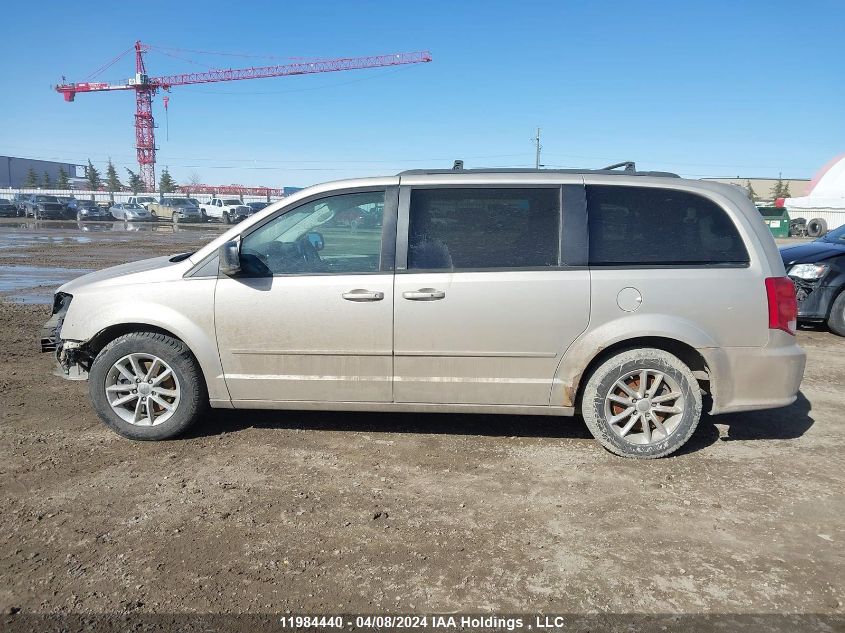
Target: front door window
338	234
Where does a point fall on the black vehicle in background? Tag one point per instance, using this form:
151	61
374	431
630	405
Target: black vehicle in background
90	210
19	200
43	207
255	207
7	209
817	269
70	205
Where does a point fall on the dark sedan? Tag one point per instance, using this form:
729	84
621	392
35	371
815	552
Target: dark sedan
7	209
248	209
90	210
818	270
257	206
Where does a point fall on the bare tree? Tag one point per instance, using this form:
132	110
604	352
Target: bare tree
194	181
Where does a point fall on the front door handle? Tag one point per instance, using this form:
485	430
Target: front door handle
360	294
424	294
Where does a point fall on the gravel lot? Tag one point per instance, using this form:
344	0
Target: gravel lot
337	512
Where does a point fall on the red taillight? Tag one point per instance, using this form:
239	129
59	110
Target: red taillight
783	307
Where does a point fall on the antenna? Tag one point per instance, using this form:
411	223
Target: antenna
536	141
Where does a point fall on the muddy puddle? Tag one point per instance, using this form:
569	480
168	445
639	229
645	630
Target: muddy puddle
17	233
34	284
38	256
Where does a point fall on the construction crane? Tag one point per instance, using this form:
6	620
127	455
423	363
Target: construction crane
145	88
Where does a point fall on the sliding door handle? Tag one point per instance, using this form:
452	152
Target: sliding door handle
424	294
360	294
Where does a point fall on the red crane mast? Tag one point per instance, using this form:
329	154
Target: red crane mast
145	88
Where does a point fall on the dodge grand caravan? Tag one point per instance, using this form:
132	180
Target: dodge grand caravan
623	296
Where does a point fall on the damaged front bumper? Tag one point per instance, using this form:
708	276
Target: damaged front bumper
814	299
73	361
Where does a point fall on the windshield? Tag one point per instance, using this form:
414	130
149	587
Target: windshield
836	235
179	202
145	199
46	199
231	202
132	205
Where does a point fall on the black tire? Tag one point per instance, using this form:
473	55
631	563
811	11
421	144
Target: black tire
79	217
602	381
193	396
816	227
836	320
225	219
797	227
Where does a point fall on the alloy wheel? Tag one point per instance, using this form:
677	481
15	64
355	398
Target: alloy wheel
142	389
644	406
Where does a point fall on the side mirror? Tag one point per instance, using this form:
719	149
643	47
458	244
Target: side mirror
316	240
230	258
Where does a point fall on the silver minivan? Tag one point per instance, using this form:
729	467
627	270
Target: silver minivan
623	296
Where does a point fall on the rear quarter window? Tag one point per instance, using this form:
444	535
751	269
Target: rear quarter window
632	226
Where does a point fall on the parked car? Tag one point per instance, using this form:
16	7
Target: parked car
818	270
498	292
130	212
90	210
69	203
356	217
144	201
176	210
226	210
19	200
255	207
7	209
43	207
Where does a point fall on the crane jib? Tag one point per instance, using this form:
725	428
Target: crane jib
146	86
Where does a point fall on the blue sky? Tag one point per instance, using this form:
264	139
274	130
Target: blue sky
720	88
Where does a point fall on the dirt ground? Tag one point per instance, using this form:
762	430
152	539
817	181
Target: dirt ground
305	512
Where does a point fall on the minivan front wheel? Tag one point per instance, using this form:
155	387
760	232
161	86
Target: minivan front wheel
147	386
642	403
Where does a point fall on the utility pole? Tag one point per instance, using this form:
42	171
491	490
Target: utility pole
536	141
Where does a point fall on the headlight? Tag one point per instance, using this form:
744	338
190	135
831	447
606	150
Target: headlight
61	301
808	271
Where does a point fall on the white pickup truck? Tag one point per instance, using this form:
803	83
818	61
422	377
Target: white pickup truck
227	210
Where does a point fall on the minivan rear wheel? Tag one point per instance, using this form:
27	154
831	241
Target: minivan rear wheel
147	386
642	403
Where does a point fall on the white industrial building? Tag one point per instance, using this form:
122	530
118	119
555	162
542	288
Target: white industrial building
825	199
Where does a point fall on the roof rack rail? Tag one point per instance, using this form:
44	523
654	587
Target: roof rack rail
612	170
629	165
